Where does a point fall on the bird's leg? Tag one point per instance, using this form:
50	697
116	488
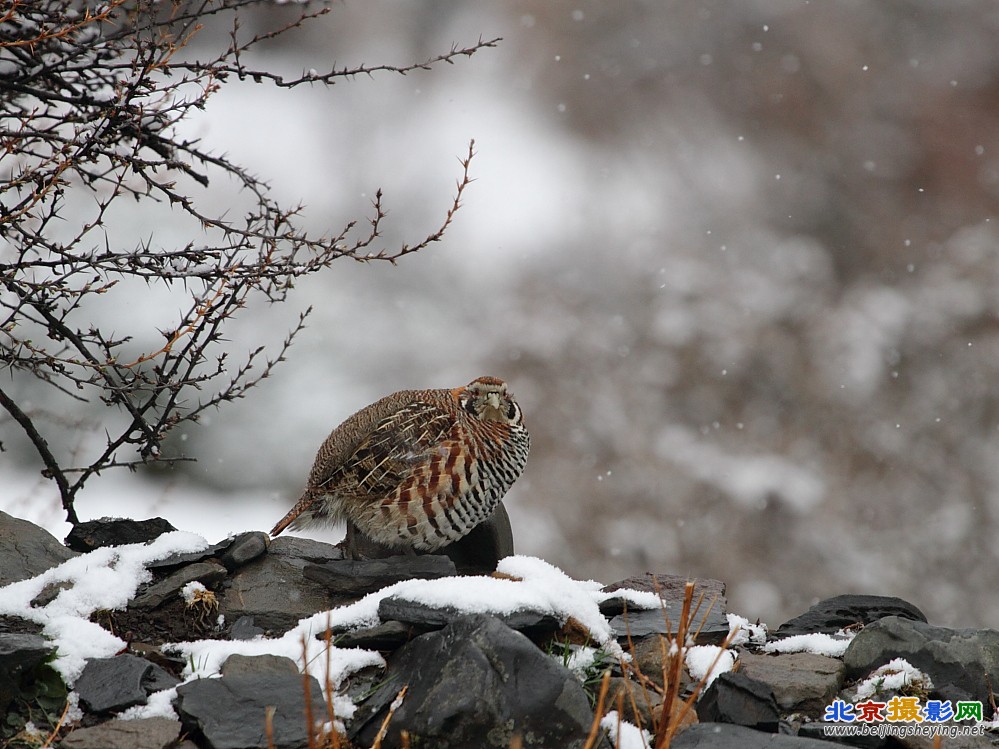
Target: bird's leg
350	550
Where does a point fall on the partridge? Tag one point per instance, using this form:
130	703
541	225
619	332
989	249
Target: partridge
418	469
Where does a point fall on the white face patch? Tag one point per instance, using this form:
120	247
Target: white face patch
493	413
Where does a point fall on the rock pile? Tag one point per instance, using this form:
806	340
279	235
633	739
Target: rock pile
453	679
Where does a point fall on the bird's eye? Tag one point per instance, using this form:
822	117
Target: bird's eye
468	403
511	412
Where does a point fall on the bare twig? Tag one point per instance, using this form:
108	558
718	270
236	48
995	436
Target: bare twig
91	100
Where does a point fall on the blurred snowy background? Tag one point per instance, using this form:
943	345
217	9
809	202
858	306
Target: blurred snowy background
738	261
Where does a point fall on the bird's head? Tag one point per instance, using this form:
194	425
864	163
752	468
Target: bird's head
487	398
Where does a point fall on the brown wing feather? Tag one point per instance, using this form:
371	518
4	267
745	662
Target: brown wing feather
390	452
366	457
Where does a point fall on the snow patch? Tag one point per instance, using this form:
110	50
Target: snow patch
821	644
708	662
892	677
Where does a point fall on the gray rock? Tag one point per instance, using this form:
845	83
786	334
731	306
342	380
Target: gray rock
728	736
209	574
273	590
534	624
736	698
385	636
27	550
707	627
229	713
243	549
145	733
182	559
49	593
246	665
476	553
304	549
95	534
839	612
114	684
474	685
639	706
802	682
20	656
958	661
647	653
671	588
245	629
816	730
22	652
348	577
480	550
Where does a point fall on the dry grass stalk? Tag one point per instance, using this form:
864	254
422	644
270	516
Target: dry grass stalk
594	735
58	726
269	726
384	726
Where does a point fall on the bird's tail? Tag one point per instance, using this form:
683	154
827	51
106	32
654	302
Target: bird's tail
293	514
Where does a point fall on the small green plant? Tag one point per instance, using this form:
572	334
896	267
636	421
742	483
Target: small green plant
586	662
35	716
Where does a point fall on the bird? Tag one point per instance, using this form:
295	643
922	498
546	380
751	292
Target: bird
418	469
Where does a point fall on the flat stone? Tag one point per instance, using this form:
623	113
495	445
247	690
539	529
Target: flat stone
840	612
802	682
385	636
209	574
27	550
671	588
22	652
647	654
114	684
728	736
96	534
229	713
816	730
706	628
247	665
144	733
356	578
474	685
182	559
534	624
49	593
958	661
245	629
20	656
736	698
305	549
273	590
243	549
630	695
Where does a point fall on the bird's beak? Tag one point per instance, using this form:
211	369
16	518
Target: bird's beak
493	400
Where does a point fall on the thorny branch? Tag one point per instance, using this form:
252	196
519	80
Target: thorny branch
90	98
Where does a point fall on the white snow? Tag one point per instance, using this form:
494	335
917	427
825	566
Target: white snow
107	578
708	662
625	735
820	644
192	592
892	676
580	659
103	579
742	632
